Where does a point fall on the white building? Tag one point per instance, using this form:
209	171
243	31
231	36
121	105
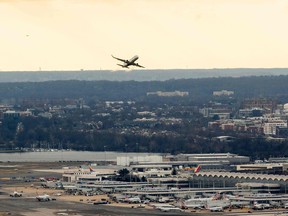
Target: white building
147	171
168	94
270	127
223	93
80	176
126	161
75	175
232	158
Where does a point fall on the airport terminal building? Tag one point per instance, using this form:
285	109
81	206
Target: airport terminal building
269	182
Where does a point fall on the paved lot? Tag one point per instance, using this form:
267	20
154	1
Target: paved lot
29	206
25	206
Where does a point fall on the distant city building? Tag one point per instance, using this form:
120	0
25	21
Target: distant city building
268	105
11	114
145	120
58	110
46	115
25	113
15	114
205	111
223	93
253	112
228	126
270	127
146	113
282	131
168	94
215	113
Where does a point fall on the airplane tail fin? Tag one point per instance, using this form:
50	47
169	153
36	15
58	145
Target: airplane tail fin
197	169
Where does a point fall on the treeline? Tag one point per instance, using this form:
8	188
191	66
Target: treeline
199	89
44	133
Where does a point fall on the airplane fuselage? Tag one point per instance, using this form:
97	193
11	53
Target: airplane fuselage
131	61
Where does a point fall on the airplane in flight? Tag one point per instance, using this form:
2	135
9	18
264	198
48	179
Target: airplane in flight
127	63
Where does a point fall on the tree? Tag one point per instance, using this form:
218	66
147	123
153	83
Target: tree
174	171
123	172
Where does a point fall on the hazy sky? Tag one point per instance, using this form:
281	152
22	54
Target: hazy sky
82	34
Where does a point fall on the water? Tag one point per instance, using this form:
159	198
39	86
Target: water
66	156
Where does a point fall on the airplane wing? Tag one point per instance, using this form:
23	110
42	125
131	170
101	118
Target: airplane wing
136	64
123	60
123	66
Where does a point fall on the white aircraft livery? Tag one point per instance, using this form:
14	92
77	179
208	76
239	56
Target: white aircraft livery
127	63
44	198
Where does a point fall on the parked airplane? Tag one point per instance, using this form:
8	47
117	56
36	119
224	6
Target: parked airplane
16	194
194	169
170	209
127	63
215	209
91	170
259	206
165	199
196	202
133	200
195	206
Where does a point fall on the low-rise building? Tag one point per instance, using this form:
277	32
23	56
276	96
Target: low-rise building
168	94
127	160
232	158
223	93
270	127
261	168
148	171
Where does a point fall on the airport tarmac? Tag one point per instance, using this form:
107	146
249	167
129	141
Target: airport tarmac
30	207
64	205
68	204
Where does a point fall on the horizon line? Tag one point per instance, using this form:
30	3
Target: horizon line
121	70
